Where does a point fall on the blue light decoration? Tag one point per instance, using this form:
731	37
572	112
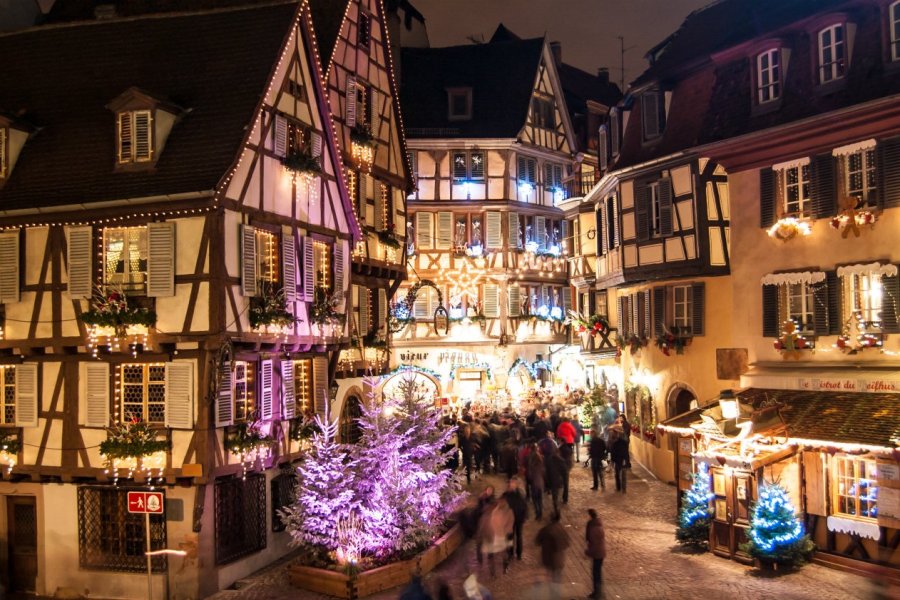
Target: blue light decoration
776	532
556	313
547	313
413	368
532	368
531	246
482	366
402	312
696	512
543	311
457	313
525	187
475	250
554	250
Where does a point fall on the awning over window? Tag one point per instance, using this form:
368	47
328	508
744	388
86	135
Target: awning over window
808	277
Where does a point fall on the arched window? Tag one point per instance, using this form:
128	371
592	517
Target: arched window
349	428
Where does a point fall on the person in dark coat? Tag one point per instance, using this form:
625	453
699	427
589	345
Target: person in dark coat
626	429
468	447
415	590
618	452
595	539
519	507
553	541
597	451
509	459
535	472
558	478
579	437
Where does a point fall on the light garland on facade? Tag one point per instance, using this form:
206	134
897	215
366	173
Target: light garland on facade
790	227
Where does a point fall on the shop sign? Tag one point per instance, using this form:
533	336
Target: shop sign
458	358
408	357
849	385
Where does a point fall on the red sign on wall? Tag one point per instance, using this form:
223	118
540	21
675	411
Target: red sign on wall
146	502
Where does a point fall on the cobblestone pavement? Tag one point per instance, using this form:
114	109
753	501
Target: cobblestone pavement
643	561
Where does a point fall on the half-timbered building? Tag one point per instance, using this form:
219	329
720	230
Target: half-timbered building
176	240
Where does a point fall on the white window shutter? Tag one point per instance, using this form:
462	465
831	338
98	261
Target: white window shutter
444	230
491	300
95	391
309	270
316	144
513	237
126	133
338	262
540	232
350	117
224	403
288	396
567	299
289	266
375	102
424	231
161	259
180	395
280	133
79	252
143	136
320	384
248	261
422	305
362	297
9	266
382	309
513	300
27	396
266	402
494	234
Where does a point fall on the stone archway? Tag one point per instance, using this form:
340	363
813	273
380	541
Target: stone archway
349	422
680	400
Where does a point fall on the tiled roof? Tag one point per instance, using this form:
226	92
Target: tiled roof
214	64
501	75
580	86
327	16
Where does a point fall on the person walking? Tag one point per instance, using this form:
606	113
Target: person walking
554	542
618	452
558	478
597	453
595	538
494	534
565	433
536	481
579	437
468	446
519	508
626	429
509	458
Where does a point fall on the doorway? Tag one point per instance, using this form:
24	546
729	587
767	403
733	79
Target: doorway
350	430
21	520
734	493
680	401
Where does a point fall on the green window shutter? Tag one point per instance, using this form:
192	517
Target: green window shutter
890	304
770	325
698	316
659	310
823	187
766	197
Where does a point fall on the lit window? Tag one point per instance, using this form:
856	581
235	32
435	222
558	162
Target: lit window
861	180
682	305
894	23
363	105
303	386
544	113
468	166
242	393
364	31
267	256
864	295
856	493
135	136
322	258
832	53
798	306
8	381
459	104
796	190
768	72
125	258
143	392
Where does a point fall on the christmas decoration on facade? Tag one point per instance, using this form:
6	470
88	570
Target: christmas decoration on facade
787	228
111	322
672	340
133	445
791	341
252	447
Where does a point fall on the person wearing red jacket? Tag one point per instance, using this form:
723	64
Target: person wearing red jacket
566	432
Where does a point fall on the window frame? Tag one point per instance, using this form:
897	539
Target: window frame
659	105
804	202
132	157
268	261
836	67
323	260
238	497
685	323
364	17
248	399
655	209
8	395
806	325
469	157
858	299
893	16
867	194
870	477
145	384
303	386
544	113
456	93
126	285
771	69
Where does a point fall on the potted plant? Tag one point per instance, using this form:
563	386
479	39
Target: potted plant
111	317
388	237
324	310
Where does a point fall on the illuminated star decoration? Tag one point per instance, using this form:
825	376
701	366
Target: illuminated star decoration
463	282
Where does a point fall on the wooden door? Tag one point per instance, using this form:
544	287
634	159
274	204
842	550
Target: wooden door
21	519
731	518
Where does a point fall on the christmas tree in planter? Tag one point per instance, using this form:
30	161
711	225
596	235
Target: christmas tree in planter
776	533
695	515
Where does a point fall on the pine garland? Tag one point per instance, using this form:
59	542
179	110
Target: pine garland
133	439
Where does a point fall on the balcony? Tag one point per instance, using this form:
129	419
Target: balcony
579	185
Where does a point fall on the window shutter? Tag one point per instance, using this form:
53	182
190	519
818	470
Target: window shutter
224	404
820	307
532	167
599	218
614	132
513	238
288	396
835	314
614	226
309	269
444	230
126	148
823	187
266	400
522	169
248	261
421	305
566	300
179	395
161	259
339	269
603	148
494	237
666	224
650	113
770	324
513	300
476	166
766	197
362	295
350	117
9	266
698	308
491	300
889	172
315	143
548	176
143	136
540	232
279	136
375	103
890	304
659	310
620	310
424	231
643	313
567	244
381	316
95	390
289	266
460	170
642	218
320	384
79	252
27	396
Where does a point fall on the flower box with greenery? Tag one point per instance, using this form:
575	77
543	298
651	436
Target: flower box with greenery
361	135
248	442
324	310
388	237
9	448
303	428
302	163
133	445
589	325
118	322
673	339
632	342
269	309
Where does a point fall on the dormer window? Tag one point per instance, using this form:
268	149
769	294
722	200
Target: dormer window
135	136
459	101
768	76
544	113
653	113
832	53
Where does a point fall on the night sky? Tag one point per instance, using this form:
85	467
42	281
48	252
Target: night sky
588	29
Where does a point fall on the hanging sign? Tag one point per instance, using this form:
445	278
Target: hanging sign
145	502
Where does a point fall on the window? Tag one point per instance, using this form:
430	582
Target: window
143	392
135	136
267	250
298	138
798	303
796	190
600	303
678	308
425	304
8	381
655	210
112	539
682	305
4	136
242	390
768	76
364	31
125	254
356	195
527	171
861	180
856	487
363	105
653	113
322	260
832	53
459	104
864	295
553	178
543	112
468	166
283	486
894	24
611	223
303	386
240	516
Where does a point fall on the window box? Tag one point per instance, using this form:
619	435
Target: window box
10	445
113	319
632	342
133	445
247	442
673	339
388	238
302	163
324	311
269	310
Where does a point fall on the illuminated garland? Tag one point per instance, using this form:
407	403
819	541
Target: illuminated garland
790	227
408	368
475	365
532	368
302	163
132	445
250	445
856	337
270	309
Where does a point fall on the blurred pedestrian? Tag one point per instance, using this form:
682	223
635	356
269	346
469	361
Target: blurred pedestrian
509	458
597	452
468	447
558	479
519	509
618	452
474	590
536	481
579	437
553	541
415	590
595	538
495	533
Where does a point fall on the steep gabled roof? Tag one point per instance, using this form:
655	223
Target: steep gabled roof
215	64
501	75
327	17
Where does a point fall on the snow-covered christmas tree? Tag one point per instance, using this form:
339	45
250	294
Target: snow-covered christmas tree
776	533
694	518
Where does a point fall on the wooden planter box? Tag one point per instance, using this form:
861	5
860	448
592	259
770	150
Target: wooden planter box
366	583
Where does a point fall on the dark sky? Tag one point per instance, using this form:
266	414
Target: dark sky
588	29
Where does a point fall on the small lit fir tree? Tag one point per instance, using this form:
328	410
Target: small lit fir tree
696	512
776	533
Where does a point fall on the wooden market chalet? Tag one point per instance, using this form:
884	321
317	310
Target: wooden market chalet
176	244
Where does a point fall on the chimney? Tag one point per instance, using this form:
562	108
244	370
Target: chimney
603	75
556	49
103	12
